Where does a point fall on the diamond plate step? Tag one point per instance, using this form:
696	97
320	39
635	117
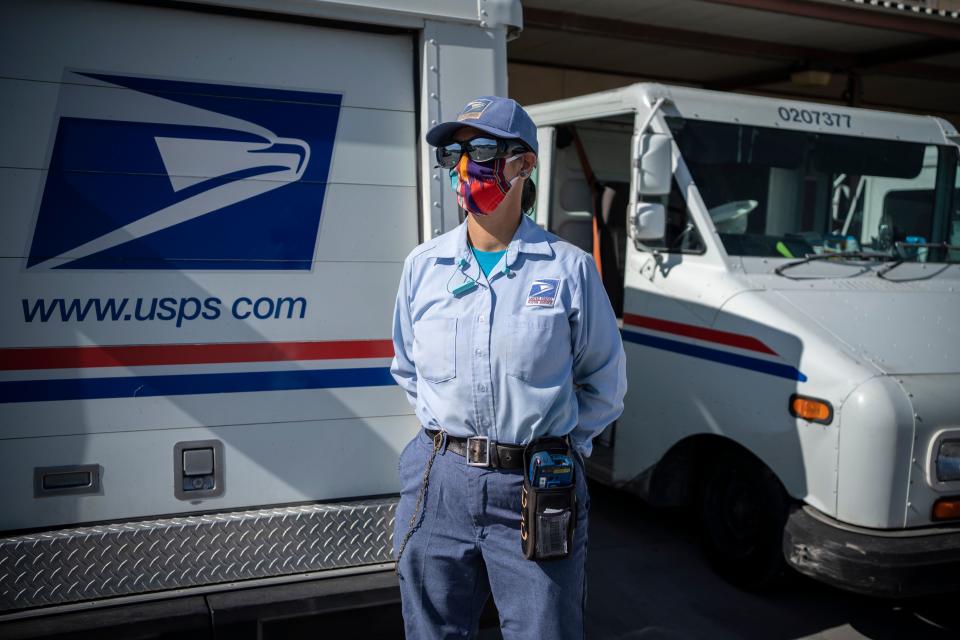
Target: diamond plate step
87	563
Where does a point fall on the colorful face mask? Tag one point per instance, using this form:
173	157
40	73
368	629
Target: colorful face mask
481	187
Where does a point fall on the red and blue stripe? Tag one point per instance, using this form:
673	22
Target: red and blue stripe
93	357
643	330
654	332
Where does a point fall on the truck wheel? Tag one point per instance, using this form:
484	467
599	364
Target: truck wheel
743	510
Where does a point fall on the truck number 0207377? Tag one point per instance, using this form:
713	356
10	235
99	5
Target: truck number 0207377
812	116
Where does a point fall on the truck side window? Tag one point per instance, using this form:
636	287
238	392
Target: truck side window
682	235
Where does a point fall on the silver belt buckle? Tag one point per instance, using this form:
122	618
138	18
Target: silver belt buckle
486	452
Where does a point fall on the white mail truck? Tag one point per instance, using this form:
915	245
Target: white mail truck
206	207
786	274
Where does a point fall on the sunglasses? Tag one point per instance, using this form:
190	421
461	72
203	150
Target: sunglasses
480	149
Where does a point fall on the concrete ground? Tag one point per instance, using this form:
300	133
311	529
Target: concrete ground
648	580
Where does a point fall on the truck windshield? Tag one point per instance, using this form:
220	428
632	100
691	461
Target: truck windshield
792	194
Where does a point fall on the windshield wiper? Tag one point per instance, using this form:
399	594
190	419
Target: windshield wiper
902	258
843	255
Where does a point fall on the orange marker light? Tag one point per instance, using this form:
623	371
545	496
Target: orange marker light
811	409
946	509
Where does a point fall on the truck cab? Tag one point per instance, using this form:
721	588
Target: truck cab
787	281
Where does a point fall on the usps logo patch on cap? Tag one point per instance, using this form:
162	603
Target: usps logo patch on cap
474	109
543	292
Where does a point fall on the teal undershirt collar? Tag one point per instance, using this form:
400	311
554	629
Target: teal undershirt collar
487	259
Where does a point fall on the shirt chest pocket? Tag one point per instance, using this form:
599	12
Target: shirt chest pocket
435	348
539	349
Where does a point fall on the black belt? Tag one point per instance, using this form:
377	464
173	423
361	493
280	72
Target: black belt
481	452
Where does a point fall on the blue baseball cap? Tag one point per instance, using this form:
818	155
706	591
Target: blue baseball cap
500	117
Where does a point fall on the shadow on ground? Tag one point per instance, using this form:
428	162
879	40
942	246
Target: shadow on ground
648	580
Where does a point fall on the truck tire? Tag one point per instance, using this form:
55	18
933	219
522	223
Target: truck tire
743	509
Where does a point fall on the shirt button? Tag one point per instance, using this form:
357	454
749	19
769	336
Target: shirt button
479	352
481	387
481	319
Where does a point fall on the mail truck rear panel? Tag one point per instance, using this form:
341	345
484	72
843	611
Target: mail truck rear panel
207	214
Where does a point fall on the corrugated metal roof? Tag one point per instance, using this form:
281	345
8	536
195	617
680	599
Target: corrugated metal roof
754	24
743	45
932	8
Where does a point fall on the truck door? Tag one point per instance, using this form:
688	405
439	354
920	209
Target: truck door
664	282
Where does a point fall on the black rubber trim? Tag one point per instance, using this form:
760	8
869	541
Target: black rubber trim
886	566
238	614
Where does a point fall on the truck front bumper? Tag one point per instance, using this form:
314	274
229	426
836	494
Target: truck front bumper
888	563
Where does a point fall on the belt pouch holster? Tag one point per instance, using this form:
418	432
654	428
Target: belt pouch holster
548	515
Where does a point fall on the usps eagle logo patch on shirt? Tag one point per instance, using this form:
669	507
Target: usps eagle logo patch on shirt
543	292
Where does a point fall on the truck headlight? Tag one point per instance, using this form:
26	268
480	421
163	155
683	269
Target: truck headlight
948	461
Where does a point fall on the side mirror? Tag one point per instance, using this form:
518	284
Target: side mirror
655	162
648	222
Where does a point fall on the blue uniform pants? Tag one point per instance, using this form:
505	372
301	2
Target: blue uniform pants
466	545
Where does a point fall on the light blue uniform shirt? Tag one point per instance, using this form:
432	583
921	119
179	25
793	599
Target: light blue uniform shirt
534	350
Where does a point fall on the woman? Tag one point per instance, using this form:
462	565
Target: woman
503	336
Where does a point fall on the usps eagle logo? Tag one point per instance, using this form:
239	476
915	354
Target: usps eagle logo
474	109
149	173
543	292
